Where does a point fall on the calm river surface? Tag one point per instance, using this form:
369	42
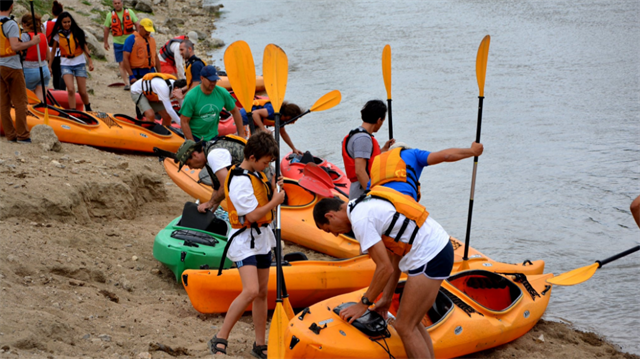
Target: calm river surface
561	122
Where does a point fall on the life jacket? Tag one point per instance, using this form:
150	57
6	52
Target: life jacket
32	52
404	205
147	89
260	104
232	143
190	62
119	28
165	51
68	46
5	45
350	162
49	28
143	53
390	167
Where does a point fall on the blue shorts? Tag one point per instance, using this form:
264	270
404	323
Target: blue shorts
139	73
32	77
77	70
439	267
262	261
117	50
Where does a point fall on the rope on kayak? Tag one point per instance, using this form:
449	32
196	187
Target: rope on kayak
462	305
384	347
521	278
105	118
455	243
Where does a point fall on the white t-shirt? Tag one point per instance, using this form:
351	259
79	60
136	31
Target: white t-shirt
78	60
241	194
218	159
371	218
175	47
160	88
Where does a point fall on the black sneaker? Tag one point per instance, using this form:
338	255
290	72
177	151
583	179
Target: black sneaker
28	140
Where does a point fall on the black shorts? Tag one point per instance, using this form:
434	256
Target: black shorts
261	261
439	267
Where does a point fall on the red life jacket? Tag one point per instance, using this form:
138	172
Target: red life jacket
349	162
32	52
165	51
117	29
49	27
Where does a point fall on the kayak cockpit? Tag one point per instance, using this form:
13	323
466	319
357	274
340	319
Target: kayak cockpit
490	290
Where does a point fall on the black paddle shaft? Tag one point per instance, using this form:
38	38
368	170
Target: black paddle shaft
473	181
252	126
618	256
390	121
279	281
35	32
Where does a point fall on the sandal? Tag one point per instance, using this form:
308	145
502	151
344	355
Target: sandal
258	351
213	345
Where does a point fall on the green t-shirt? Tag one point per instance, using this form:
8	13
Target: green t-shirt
204	110
107	23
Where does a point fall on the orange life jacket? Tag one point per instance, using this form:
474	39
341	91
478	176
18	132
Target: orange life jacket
143	53
404	205
124	27
389	167
68	46
190	62
147	90
262	192
32	52
5	45
350	162
165	51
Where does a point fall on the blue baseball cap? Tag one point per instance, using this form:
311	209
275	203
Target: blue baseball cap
210	73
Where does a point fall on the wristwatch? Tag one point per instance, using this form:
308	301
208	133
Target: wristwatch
364	300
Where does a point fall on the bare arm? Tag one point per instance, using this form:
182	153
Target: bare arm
54	48
237	119
106	38
256	214
287	139
257	116
635	210
186	129
88	55
361	171
16	45
157	63
454	154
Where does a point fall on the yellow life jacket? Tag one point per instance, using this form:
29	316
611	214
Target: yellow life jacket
69	46
262	192
147	90
190	62
404	205
5	45
390	167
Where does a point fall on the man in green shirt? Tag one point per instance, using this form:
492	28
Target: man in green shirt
200	112
121	22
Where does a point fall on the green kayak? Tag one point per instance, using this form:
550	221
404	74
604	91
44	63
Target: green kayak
180	248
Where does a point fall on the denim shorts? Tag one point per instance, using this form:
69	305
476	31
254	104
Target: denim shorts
77	70
32	77
262	261
117	51
439	267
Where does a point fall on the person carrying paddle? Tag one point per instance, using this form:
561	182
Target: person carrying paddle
400	168
359	147
400	236
121	22
251	201
200	112
153	95
263	115
35	60
171	60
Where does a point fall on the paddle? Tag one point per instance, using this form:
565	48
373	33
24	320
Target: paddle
44	89
386	75
321	178
275	71
329	100
481	70
583	274
241	72
315	185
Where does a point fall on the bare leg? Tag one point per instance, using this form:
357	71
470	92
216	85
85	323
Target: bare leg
260	307
39	93
71	90
82	89
150	115
166	118
123	73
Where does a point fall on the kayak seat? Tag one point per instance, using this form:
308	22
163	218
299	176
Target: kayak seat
488	289
296	195
295	257
370	323
208	222
436	313
194	237
149	126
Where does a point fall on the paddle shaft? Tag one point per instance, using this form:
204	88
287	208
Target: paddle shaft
618	256
294	119
473	181
279	279
252	126
390	121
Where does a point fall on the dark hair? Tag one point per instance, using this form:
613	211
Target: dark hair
5	5
373	110
78	33
27	20
261	144
178	84
188	44
56	9
290	109
323	207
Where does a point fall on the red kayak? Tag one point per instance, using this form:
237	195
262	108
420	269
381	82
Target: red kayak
62	99
292	166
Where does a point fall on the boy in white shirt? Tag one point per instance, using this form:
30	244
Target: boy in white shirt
154	95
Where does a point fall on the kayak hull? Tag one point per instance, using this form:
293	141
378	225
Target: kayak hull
292	167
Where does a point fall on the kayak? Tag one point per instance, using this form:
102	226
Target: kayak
292	166
311	281
474	310
224	82
181	248
62	99
99	129
226	126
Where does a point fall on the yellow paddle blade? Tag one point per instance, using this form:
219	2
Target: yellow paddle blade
279	323
575	276
46	115
481	63
275	69
288	309
327	101
241	71
386	69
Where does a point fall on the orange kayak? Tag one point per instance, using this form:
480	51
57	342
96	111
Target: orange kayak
105	130
224	82
474	310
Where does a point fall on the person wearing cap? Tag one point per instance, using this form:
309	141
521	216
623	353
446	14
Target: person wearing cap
400	168
121	22
139	53
171	60
153	93
200	112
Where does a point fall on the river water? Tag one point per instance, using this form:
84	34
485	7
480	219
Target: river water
561	122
